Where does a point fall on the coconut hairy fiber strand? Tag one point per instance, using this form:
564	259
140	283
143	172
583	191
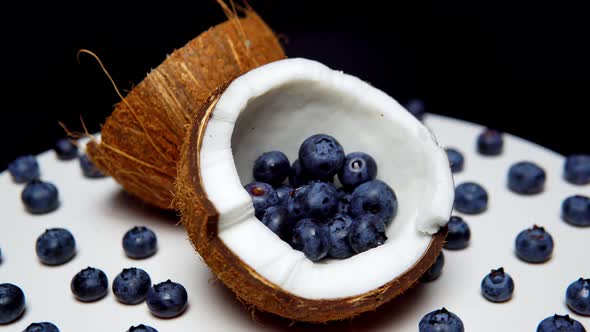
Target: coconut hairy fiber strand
141	140
200	218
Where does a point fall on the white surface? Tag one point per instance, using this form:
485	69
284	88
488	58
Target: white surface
98	214
268	102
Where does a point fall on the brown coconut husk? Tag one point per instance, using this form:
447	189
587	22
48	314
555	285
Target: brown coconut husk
200	219
141	140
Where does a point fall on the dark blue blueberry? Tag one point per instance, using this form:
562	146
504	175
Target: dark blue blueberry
284	193
56	246
297	177
89	285
343	202
358	168
24	169
277	220
366	232
0	255
40	197
458	235
441	320
272	167
558	323
417	108
310	238
89	169
576	169
65	149
490	142
577	296
534	245
497	286
12	303
321	200
42	327
297	207
140	242
142	328
526	178
456	160
338	230
575	210
131	285
263	196
374	197
167	299
436	269
470	198
321	156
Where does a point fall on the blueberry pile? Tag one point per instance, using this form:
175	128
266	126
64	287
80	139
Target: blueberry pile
310	213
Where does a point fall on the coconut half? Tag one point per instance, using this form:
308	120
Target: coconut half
141	139
275	107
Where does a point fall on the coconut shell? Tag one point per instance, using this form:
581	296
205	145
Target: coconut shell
141	140
200	219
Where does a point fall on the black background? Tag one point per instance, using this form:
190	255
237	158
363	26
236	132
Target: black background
523	69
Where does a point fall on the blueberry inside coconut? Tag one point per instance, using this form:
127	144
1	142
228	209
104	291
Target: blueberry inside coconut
280	107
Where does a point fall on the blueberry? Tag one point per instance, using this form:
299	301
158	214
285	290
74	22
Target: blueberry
284	193
526	178
40	197
272	167
490	142
56	246
338	230
497	286
321	200
576	169
374	197
577	296
456	159
310	238
441	320
366	232
263	196
131	285
435	270
358	168
417	108
557	323
89	285
458	235
297	206
343	205
24	169
575	210
42	327
321	156
534	245
0	255
89	169
298	177
140	242
12	303
167	299
277	220
142	328
65	149
470	198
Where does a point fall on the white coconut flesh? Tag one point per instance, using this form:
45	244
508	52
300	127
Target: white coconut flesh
277	106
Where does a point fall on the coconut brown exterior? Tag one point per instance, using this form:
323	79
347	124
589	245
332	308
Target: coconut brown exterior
200	218
141	140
